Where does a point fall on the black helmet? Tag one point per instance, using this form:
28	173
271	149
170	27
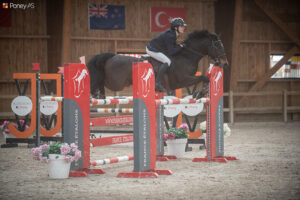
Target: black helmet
175	22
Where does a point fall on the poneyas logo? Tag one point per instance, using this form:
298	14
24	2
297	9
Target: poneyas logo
78	81
18	6
5	5
146	81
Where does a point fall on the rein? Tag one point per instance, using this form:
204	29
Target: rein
193	51
213	45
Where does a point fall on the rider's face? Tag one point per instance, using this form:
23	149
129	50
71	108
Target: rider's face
181	29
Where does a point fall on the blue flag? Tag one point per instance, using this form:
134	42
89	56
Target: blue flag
106	17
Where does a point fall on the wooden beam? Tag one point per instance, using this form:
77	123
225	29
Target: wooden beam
24	36
266	77
236	44
279	22
66	32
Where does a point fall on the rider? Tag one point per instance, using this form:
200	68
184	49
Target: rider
164	45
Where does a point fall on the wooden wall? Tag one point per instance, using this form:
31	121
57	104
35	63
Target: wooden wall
36	36
260	37
199	15
23	43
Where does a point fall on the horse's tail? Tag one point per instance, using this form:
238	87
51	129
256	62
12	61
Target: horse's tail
96	70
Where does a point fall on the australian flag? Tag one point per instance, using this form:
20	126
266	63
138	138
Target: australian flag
106	17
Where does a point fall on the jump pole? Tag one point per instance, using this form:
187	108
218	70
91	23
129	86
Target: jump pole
215	119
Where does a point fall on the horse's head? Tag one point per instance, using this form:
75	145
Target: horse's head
203	43
216	51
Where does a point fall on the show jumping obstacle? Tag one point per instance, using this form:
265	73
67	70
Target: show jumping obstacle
148	119
47	130
215	119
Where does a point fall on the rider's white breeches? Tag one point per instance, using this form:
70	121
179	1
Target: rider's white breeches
159	56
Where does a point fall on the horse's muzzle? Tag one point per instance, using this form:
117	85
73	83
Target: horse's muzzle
224	62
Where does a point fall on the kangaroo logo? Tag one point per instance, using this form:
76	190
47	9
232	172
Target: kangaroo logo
145	82
217	84
78	81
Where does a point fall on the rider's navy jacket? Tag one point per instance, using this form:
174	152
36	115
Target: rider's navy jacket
164	42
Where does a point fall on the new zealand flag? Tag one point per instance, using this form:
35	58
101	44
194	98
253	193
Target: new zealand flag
106	17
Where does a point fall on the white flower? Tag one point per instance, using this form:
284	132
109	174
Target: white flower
227	131
203	125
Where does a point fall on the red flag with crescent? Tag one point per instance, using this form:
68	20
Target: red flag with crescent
161	17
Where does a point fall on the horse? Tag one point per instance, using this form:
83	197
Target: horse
114	71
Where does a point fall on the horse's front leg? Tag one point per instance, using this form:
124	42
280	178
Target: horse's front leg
194	80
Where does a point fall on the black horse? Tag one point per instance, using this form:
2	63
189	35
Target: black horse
115	71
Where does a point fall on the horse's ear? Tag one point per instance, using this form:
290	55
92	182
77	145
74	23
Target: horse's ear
219	35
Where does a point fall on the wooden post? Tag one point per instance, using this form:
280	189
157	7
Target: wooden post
66	32
284	105
231	109
236	44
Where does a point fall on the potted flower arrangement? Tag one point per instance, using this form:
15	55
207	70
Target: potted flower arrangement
5	130
58	156
176	139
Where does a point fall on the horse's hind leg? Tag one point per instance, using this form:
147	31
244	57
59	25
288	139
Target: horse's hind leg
101	93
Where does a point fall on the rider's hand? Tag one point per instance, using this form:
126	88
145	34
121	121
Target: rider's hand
182	45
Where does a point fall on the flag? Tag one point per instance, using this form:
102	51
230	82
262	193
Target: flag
161	16
106	17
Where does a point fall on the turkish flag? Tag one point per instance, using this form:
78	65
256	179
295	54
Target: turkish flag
161	17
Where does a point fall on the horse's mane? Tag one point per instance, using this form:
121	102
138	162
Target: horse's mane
197	35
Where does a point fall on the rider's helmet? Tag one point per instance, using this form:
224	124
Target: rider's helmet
175	22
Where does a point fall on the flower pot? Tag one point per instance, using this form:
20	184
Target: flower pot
176	147
8	135
58	168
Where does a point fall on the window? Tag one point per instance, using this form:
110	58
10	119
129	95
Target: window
290	69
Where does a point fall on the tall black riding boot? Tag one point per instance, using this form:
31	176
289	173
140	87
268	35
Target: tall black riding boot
160	75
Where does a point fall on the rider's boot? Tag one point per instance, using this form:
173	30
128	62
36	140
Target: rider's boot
160	75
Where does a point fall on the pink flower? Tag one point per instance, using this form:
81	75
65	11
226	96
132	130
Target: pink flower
44	147
73	146
77	155
21	121
6	131
65	149
184	126
16	126
165	137
36	153
171	135
5	123
68	158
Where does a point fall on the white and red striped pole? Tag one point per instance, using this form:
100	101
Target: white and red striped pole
112	160
51	98
180	101
110	101
111	110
